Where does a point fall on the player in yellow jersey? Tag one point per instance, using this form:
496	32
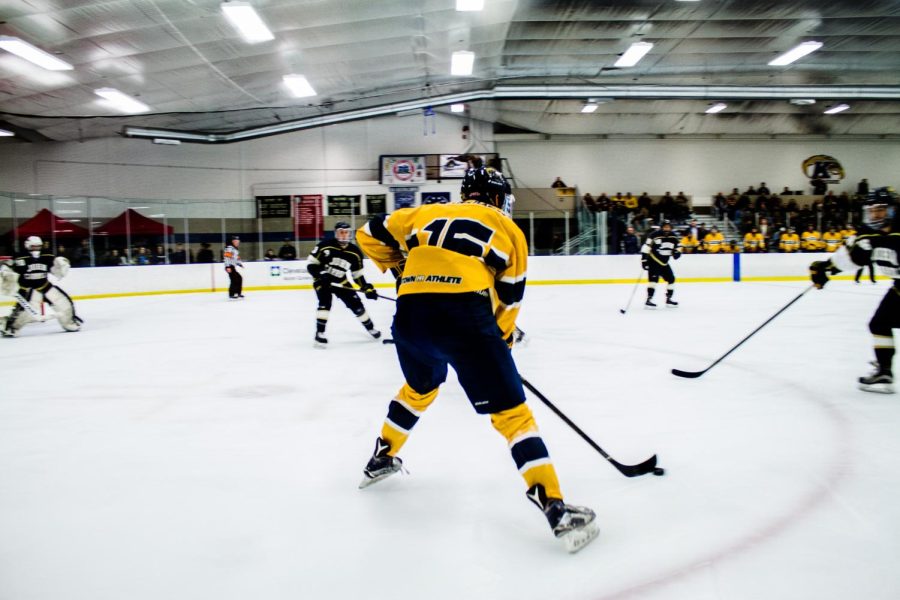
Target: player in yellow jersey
689	243
832	239
754	241
810	240
462	271
714	241
790	241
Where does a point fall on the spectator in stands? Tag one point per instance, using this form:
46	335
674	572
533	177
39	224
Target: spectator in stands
789	241
141	256
159	255
81	257
178	256
631	203
287	250
698	231
205	254
862	189
848	232
819	187
630	242
603	203
667	206
559	183
763	189
832	239
682	207
786	192
766	230
719	204
270	255
589	203
810	240
113	259
751	191
754	241
645	201
689	243
714	241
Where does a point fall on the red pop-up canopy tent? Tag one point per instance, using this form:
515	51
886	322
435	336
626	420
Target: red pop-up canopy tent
47	225
133	222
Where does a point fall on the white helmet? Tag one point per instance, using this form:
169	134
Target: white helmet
33	242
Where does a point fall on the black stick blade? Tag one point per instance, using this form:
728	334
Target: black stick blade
688	374
635	470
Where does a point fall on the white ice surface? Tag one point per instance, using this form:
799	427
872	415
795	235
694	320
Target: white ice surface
188	447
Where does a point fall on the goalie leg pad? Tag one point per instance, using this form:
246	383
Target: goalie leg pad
63	307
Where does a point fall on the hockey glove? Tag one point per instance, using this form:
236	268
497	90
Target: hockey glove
818	272
369	291
645	264
676	254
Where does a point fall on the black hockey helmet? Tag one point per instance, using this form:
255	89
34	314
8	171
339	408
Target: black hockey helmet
666	222
342	232
879	208
341	225
485	185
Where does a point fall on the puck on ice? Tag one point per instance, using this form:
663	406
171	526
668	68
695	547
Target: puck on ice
659	471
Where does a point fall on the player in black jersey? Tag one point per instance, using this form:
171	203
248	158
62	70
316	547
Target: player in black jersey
27	280
878	244
329	263
661	245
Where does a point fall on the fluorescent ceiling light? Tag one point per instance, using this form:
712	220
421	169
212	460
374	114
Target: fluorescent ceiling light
457	108
5	133
166	142
795	53
299	86
122	102
466	5
717	107
247	22
34	54
462	62
837	108
634	54
589	107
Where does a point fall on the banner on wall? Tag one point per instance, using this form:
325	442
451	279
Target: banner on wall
404	197
343	205
402	169
376	204
824	167
273	207
308	216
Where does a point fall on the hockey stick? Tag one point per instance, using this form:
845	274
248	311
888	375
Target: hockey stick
21	301
695	374
360	291
633	291
648	466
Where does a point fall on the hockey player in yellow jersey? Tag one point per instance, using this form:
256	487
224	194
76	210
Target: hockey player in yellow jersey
848	234
790	241
461	270
811	239
754	241
689	243
832	239
714	241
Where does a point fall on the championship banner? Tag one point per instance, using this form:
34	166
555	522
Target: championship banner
308	217
376	204
402	170
339	206
404	197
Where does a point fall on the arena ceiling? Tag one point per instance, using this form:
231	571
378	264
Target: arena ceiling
537	62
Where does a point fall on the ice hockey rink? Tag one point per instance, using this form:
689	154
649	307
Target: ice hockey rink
190	447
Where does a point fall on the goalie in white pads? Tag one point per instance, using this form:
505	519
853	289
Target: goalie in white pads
27	280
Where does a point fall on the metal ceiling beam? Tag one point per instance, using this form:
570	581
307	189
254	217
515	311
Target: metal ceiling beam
553	92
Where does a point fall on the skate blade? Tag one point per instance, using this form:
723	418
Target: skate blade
878	388
579	538
649	307
320	346
367	481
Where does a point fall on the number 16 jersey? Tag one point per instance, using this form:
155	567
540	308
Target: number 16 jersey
453	248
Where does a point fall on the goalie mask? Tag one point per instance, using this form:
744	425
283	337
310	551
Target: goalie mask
342	232
485	185
879	208
34	245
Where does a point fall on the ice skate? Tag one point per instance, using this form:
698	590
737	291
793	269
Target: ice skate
671	303
649	303
575	526
381	465
320	341
879	382
374	333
